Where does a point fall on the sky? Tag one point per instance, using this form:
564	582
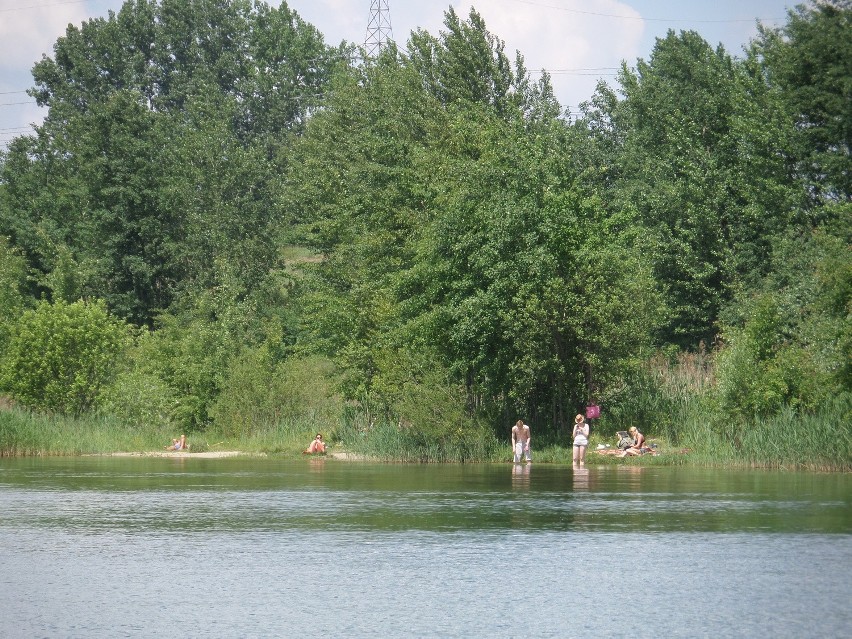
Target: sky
578	41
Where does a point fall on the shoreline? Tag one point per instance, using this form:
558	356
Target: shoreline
180	454
221	454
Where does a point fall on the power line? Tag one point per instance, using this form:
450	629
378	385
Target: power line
40	6
625	17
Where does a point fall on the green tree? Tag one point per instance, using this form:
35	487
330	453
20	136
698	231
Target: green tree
13	274
810	60
160	148
534	293
466	64
452	234
788	343
172	51
697	148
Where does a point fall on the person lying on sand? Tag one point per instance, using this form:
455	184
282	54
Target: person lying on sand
316	446
178	444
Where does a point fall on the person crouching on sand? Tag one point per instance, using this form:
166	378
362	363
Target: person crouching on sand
316	446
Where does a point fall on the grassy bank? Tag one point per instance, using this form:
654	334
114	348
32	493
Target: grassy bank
787	441
23	433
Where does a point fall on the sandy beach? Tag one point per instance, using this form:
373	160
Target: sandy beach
219	454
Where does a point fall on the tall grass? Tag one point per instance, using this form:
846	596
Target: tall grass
689	422
386	441
658	395
787	440
26	433
674	400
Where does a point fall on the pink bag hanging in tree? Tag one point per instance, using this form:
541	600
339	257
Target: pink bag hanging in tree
593	411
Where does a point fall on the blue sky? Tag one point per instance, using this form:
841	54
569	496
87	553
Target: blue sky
578	41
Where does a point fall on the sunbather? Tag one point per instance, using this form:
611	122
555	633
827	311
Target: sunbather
178	444
638	443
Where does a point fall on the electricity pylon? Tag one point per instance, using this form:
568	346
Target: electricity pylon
379	31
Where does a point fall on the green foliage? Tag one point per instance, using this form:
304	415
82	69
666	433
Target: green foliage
810	60
466	65
752	380
421	242
697	147
171	51
789	344
401	442
198	348
533	294
13	272
140	398
453	224
662	393
157	153
260	393
61	355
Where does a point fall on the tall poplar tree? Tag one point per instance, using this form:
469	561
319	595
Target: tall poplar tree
163	137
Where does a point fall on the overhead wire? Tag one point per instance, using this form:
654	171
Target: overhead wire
590	71
39	6
536	3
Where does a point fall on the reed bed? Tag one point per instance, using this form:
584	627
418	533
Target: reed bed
399	443
23	433
688	432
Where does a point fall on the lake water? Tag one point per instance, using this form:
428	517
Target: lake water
151	547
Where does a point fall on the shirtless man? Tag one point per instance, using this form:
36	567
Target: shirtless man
521	441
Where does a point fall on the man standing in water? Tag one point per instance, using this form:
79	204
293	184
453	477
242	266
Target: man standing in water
521	441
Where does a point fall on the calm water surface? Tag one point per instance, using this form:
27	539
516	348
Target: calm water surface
118	547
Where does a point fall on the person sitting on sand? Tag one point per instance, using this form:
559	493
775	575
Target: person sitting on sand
638	443
316	446
178	444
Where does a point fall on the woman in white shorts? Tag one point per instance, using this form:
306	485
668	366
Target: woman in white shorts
581	440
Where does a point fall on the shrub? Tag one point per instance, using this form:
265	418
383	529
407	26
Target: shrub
259	393
139	398
60	355
13	274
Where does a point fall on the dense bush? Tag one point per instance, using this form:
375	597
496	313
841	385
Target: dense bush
13	271
61	355
259	394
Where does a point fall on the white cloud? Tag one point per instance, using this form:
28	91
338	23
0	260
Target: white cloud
565	38
29	32
26	33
